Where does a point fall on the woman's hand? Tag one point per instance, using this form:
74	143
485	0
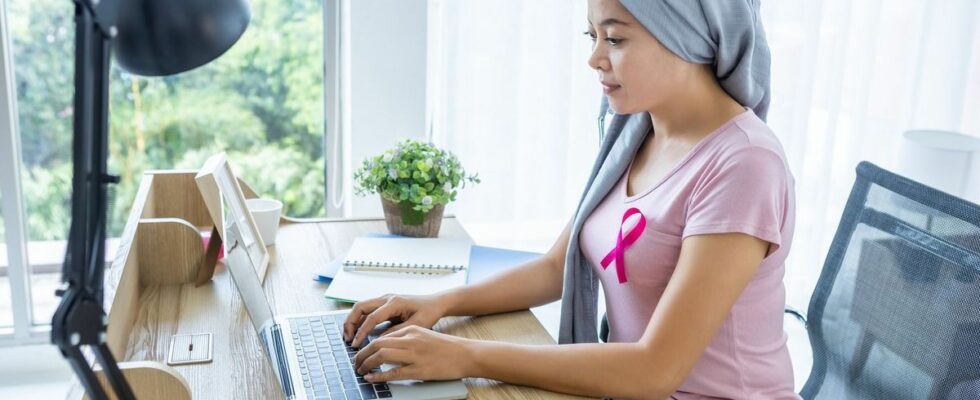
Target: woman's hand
404	311
420	353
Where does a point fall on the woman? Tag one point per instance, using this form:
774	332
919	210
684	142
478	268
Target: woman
686	223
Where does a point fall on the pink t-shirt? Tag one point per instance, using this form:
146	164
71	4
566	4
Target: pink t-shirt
735	180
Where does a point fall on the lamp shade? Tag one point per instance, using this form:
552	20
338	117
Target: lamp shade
166	37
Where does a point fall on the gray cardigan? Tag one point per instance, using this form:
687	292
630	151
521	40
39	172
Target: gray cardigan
578	300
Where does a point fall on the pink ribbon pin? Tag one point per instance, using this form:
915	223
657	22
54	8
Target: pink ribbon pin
622	243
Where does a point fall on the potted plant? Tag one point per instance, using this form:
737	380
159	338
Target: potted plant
415	181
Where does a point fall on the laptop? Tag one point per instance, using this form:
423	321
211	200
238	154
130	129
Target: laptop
307	351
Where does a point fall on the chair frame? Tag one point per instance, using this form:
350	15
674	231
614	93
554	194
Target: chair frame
856	213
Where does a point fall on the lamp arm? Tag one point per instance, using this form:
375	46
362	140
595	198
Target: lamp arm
80	319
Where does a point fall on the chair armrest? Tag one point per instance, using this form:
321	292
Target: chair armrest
800	316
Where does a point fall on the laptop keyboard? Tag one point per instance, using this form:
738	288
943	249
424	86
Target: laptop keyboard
326	362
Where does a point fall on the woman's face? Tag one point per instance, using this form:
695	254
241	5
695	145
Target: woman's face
637	72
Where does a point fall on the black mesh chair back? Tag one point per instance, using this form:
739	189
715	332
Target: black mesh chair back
896	312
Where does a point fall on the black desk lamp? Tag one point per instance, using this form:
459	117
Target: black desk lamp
153	38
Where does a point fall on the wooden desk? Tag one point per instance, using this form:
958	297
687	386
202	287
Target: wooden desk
240	369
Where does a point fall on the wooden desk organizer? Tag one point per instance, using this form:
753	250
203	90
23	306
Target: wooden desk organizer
161	245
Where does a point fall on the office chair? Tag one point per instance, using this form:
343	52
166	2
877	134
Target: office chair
896	311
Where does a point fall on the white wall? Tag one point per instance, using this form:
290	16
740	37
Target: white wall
385	84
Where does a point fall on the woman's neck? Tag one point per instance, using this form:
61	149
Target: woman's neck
696	111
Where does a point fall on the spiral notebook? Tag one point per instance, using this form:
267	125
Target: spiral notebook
378	266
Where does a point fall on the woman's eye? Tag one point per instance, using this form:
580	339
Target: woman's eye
612	41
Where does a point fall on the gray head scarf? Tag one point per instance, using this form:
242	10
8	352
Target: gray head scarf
727	34
724	33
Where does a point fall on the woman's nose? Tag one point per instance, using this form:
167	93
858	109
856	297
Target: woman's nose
598	59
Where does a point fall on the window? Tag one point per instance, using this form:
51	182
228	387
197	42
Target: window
261	102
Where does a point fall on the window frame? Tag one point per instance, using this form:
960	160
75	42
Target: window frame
18	268
24	331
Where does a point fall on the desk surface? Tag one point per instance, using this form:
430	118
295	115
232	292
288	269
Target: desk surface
239	369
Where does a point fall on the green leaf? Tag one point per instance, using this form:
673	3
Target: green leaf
421	169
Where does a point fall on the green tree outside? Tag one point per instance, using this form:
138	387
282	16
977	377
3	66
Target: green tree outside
261	102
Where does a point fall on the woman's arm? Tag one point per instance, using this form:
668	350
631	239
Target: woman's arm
711	273
535	283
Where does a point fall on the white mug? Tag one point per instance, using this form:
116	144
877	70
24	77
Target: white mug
266	214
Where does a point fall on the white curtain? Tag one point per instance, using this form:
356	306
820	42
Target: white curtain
515	100
513	97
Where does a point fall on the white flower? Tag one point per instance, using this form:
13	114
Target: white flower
387	157
447	187
427	200
392	173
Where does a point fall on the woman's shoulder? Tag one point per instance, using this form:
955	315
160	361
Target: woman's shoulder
757	134
747	137
747	146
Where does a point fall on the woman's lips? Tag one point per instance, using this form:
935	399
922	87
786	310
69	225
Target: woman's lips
609	88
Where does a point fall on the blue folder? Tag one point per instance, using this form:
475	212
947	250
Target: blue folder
486	261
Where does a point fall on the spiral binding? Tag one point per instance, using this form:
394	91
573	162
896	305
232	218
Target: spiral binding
424	269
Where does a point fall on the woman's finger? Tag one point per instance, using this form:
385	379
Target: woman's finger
385	355
395	374
404	330
352	325
378	344
356	315
395	327
382	314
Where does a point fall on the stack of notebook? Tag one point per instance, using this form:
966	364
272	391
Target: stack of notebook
381	264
